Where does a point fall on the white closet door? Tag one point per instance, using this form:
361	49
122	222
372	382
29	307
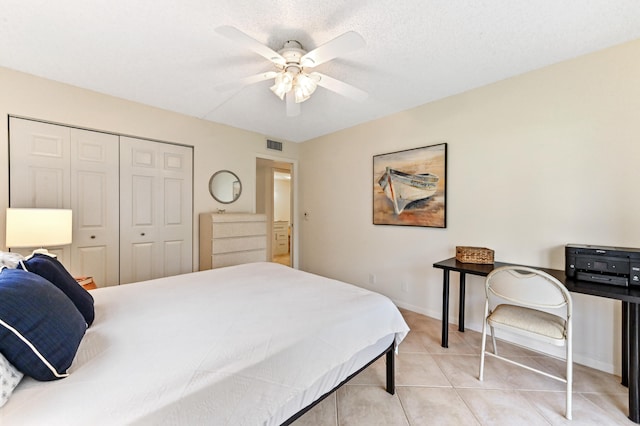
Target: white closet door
94	200
156	206
177	209
39	172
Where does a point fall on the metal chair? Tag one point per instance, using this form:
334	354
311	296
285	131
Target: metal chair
520	300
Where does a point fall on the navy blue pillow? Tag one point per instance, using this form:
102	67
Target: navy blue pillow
51	269
40	328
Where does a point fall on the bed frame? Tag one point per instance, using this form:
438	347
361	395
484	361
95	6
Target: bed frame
391	387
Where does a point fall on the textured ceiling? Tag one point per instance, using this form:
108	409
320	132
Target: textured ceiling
167	54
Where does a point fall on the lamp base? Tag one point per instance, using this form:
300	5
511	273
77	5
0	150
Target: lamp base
41	251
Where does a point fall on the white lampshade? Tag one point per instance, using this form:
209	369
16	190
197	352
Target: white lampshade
282	84
304	86
38	227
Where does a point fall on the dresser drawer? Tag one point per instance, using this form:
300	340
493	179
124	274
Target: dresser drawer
280	236
237	258
224	245
280	247
280	226
241	229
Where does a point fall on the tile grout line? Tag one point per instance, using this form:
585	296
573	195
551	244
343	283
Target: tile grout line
541	413
473	413
404	410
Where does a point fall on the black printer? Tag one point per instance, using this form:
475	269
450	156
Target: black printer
610	265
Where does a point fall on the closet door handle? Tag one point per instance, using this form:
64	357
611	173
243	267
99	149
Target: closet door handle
142	234
93	237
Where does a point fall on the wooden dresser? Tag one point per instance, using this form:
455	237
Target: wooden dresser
231	239
280	237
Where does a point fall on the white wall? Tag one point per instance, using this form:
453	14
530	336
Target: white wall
534	162
216	146
281	199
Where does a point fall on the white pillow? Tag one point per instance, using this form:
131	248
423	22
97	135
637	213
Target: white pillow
10	259
9	379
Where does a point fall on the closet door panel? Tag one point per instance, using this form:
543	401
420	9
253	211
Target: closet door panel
139	212
177	231
94	260
156	203
44	188
144	265
142	200
141	156
173	257
39	165
39	172
95	204
173	212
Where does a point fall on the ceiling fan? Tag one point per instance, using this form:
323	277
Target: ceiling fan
294	79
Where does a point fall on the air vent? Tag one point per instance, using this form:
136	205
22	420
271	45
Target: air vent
274	145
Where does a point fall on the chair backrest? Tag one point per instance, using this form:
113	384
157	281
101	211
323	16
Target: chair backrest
528	287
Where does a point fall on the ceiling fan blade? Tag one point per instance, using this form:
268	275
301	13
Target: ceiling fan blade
339	46
250	43
293	108
239	84
340	87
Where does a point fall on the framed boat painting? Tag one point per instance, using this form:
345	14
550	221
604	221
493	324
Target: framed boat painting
410	187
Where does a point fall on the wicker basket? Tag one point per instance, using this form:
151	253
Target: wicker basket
480	255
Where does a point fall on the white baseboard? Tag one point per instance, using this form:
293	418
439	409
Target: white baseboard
417	309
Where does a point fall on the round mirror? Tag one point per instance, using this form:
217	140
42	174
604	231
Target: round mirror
225	186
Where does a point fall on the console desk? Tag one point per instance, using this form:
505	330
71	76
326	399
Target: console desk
629	296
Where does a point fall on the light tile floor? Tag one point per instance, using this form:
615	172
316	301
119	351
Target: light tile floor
438	386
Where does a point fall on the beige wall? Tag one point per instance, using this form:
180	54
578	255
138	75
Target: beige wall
534	162
215	146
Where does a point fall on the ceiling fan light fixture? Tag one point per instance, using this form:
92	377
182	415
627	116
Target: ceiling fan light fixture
282	84
290	80
303	87
300	94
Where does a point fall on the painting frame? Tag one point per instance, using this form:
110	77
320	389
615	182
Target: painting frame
410	187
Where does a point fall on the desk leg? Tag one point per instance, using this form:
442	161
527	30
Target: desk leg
625	344
461	304
445	308
633	357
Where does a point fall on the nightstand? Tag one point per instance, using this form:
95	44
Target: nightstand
87	283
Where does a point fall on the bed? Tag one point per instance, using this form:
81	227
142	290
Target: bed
253	344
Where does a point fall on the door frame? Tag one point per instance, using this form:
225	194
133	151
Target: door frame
294	202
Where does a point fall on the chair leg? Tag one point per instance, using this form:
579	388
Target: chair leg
493	341
569	379
482	349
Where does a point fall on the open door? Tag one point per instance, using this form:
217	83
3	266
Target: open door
281	235
274	198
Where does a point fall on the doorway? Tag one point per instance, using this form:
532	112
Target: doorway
274	198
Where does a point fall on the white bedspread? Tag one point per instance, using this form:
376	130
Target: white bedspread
228	346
